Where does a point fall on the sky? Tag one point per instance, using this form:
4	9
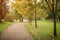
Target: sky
9	4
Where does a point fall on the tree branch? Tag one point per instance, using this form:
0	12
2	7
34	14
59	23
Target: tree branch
49	2
48	5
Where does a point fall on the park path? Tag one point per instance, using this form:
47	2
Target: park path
16	31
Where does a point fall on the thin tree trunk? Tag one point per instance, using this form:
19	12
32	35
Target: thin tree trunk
35	15
21	19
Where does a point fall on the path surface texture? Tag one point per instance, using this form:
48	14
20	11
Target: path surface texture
16	31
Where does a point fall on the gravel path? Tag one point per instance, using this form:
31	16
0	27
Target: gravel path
16	31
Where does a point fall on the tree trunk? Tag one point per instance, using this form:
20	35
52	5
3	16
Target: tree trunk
21	19
35	15
54	18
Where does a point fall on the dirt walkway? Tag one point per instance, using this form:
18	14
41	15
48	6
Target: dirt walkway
16	31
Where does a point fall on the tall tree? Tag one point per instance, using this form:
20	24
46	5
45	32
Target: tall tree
24	8
3	9
1	14
35	15
51	4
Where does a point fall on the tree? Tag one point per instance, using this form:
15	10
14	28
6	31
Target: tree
35	15
3	9
24	8
51	4
19	6
1	14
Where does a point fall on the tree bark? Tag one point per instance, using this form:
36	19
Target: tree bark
21	19
54	18
35	15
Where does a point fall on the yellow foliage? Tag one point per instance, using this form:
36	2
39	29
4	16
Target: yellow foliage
21	6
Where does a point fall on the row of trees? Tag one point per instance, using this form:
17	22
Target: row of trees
34	9
26	9
5	13
31	10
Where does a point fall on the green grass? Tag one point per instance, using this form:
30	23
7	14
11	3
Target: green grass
44	30
4	25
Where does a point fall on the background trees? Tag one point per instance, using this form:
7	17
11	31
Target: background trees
31	10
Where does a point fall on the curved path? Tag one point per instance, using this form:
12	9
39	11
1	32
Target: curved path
16	31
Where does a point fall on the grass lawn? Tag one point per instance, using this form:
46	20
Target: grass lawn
44	30
4	25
